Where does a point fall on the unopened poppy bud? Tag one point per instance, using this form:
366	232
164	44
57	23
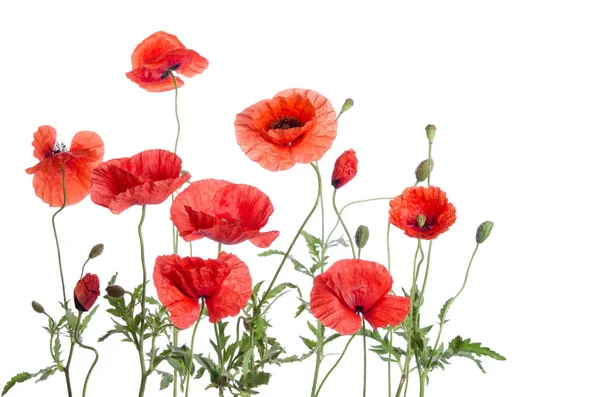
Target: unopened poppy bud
344	169
483	231
362	236
184	172
37	307
423	170
96	251
247	325
430	129
348	103
421	220
87	290
115	291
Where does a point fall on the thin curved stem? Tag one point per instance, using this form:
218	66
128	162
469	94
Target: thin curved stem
287	253
364	357
73	341
334	365
339	216
350	204
176	110
189	369
83	268
427	267
87	377
175	340
143	305
62	278
430	165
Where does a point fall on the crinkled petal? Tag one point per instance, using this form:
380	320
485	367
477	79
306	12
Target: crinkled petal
155	45
327	307
43	142
389	310
233	294
147	193
244	205
264	239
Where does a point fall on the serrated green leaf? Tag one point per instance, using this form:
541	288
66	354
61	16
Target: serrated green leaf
311	344
271	252
444	310
257	378
113	279
46	373
465	345
165	379
331	338
313	329
86	319
278	289
71	319
56	349
19	378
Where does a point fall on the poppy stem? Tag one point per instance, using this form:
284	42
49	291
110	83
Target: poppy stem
62	278
287	253
430	165
87	377
189	365
176	110
73	340
427	267
83	268
364	357
339	216
143	305
348	205
334	365
175	341
445	312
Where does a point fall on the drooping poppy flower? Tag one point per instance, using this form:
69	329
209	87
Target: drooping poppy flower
159	54
224	284
148	177
354	286
296	126
85	153
87	290
224	212
422	212
344	169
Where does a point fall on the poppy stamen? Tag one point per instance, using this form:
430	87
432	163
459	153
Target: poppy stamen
359	309
59	147
285	123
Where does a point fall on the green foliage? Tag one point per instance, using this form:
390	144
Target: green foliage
42	375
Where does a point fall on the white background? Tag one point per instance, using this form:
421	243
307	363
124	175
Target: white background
512	87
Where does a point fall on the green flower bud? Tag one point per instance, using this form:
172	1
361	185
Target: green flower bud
346	106
483	231
37	307
362	236
430	129
421	219
115	291
96	251
423	170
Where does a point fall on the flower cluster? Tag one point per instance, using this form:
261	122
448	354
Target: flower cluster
350	296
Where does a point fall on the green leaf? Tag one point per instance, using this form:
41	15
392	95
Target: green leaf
19	378
465	345
271	252
71	319
47	373
313	243
331	338
257	378
210	366
444	310
313	329
113	279
278	290
165	379
56	349
311	344
86	320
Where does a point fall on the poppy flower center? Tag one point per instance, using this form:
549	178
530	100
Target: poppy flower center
285	123
359	309
166	73
59	147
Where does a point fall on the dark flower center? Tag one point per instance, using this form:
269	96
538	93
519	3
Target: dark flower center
59	147
285	123
167	72
359	309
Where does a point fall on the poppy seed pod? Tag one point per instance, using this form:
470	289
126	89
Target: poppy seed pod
87	290
348	103
430	129
423	170
115	291
362	236
483	231
37	307
345	169
96	251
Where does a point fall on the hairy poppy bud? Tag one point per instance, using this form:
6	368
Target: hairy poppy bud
483	231
96	251
115	291
430	129
423	170
362	236
184	172
87	290
348	103
37	307
345	169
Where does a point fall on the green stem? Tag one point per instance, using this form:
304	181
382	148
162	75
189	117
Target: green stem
83	268
189	369
350	204
389	364
334	365
287	253
427	267
176	110
62	279
339	216
143	305
430	165
219	351
319	358
445	313
87	377
73	341
175	375
364	357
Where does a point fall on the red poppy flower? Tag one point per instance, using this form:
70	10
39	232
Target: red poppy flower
148	177
156	56
428	203
224	212
296	126
87	290
85	153
353	286
345	169
224	283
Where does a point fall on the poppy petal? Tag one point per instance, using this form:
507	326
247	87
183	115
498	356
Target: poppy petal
264	239
109	181
154	46
235	291
243	204
389	310
326	306
43	142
